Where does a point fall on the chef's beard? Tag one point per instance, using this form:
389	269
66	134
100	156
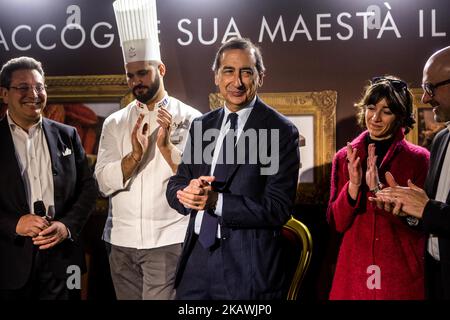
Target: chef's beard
151	91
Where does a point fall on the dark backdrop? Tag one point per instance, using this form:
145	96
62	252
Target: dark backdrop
297	64
326	45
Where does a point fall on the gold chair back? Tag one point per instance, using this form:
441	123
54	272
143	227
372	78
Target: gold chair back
302	235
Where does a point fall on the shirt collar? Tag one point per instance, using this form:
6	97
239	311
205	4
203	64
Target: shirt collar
142	107
448	125
14	126
164	102
248	106
243	113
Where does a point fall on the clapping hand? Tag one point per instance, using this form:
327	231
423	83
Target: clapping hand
139	138
354	170
198	195
164	119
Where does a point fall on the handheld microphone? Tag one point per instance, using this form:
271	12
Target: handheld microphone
39	208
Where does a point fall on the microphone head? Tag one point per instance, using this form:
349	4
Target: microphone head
39	208
50	213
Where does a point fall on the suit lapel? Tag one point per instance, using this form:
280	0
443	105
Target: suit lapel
6	141
9	161
257	114
440	155
55	145
212	123
254	121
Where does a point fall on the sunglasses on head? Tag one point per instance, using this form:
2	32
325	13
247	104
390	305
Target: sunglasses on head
398	85
429	88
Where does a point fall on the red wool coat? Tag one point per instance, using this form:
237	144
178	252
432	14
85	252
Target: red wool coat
373	239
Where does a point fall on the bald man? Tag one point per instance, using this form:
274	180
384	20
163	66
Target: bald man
432	205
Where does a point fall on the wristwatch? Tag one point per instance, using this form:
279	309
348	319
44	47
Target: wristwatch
376	189
412	221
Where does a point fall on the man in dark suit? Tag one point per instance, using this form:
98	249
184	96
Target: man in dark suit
237	199
46	191
431	205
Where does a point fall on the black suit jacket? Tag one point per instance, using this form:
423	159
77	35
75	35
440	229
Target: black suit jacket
74	196
255	206
436	215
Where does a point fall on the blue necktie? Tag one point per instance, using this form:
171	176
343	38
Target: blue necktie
208	229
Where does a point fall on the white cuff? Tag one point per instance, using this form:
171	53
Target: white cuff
219	205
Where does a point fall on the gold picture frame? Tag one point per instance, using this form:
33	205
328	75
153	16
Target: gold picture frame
90	88
425	127
75	91
319	108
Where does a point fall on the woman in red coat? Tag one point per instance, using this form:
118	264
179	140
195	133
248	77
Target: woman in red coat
381	255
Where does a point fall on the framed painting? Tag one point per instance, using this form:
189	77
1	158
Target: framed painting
84	102
425	127
314	114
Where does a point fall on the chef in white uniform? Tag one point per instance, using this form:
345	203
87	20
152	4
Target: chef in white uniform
140	148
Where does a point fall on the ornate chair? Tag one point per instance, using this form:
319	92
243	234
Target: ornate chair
298	250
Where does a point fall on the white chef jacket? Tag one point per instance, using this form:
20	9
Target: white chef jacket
139	215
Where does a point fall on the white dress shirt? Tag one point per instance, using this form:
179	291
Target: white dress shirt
139	215
243	115
441	195
34	162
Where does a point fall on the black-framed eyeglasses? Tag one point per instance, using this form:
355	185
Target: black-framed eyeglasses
398	85
429	88
23	89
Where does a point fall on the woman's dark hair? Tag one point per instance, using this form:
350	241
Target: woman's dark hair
398	98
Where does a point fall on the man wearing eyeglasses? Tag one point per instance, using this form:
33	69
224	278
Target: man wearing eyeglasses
46	190
431	205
